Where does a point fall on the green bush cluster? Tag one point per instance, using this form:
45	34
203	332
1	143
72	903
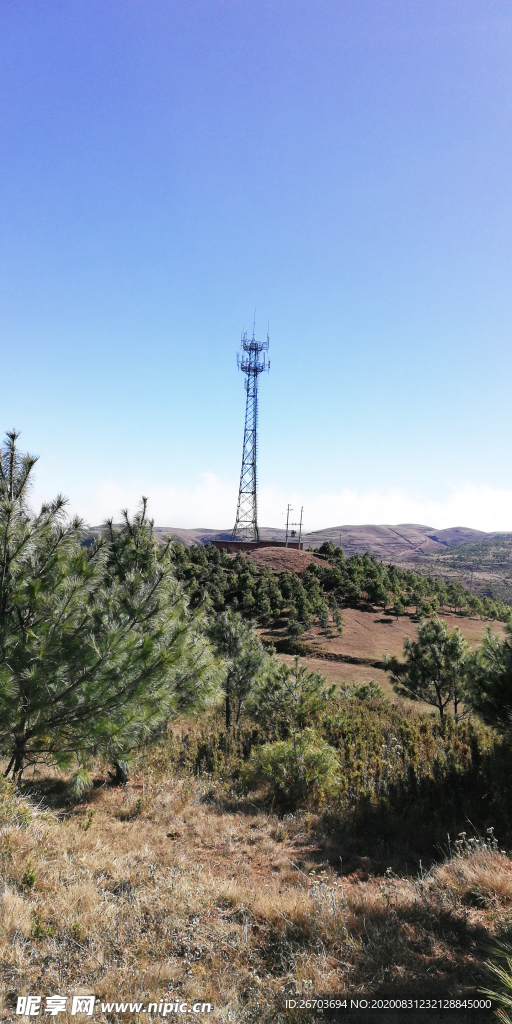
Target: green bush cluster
304	768
319	593
381	773
206	748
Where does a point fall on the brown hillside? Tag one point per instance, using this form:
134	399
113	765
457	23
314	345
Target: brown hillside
370	635
279	559
358	655
393	543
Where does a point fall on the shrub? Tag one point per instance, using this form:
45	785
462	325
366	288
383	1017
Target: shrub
367	691
207	748
338	620
295	771
295	626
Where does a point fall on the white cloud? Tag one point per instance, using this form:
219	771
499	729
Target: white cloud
212	503
209	503
478	506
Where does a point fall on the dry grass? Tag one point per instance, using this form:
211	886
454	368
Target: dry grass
160	889
373	634
344	674
480	876
370	636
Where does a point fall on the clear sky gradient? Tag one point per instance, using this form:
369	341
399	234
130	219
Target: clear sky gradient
344	167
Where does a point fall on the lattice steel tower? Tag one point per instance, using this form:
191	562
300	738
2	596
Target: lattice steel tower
252	363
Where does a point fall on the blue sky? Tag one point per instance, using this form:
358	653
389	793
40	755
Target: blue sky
343	167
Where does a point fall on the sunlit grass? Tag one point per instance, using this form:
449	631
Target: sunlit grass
163	889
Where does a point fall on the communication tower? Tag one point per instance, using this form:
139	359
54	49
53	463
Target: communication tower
252	362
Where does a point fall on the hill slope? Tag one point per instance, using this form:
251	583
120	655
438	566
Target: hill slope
481	561
393	543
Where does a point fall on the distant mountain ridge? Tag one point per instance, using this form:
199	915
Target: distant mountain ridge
398	543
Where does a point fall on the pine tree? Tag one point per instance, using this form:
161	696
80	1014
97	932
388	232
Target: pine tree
289	698
490	681
435	667
97	647
243	657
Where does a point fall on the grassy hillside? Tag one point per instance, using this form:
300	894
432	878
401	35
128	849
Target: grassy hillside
186	882
485	566
331	843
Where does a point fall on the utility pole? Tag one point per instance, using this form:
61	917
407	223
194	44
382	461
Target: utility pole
288	510
250	362
288	524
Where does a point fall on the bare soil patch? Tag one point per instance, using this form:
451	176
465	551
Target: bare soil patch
374	634
279	559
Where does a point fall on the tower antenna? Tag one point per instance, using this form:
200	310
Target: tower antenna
252	363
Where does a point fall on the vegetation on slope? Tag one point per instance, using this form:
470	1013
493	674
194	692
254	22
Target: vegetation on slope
485	564
401	781
322	590
270	843
179	883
